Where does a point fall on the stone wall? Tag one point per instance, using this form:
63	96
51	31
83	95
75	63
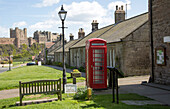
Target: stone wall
131	55
58	57
7	40
136	52
161	28
77	57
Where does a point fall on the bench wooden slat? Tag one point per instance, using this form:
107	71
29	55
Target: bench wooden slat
39	87
26	88
23	88
29	88
46	86
54	85
43	87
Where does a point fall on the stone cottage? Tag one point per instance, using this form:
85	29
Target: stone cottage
127	43
160	38
58	55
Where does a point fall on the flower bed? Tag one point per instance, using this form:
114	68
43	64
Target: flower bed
75	73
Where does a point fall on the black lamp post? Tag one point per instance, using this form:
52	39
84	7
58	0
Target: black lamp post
9	60
62	14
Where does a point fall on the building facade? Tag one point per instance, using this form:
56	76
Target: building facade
160	32
45	36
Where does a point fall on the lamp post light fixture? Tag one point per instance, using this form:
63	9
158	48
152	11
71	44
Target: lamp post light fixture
62	14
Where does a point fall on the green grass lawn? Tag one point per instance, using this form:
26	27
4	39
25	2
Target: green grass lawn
19	62
98	101
10	79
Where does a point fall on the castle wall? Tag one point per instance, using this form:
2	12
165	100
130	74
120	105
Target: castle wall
7	40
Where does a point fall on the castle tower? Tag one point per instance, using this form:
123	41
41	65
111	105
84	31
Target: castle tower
119	14
17	34
81	33
71	37
25	33
11	33
94	25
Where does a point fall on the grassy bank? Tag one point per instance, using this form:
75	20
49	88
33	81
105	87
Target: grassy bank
99	102
10	79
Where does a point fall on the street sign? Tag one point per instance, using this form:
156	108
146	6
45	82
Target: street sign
70	88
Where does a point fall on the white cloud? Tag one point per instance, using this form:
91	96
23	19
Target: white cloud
46	3
112	5
3	31
20	24
80	15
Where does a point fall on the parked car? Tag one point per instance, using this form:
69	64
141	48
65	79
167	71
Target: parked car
31	63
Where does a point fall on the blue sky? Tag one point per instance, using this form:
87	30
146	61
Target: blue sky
43	14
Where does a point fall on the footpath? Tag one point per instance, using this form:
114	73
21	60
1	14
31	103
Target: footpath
157	92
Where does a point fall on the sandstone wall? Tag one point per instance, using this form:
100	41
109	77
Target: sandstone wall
161	28
7	40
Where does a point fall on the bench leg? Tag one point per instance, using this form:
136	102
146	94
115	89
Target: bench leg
21	100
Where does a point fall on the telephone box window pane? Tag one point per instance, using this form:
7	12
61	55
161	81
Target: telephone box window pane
99	55
98	81
98	59
98	64
99	51
98	68
98	72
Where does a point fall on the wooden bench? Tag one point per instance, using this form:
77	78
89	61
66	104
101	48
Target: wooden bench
40	87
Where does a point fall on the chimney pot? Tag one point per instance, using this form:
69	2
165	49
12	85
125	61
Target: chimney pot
122	7
116	7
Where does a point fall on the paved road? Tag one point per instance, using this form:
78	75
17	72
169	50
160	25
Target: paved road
67	70
3	69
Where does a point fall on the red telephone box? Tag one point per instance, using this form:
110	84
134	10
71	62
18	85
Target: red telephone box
96	63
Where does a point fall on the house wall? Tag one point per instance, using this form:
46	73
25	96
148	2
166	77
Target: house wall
58	57
136	52
161	28
114	55
77	57
131	55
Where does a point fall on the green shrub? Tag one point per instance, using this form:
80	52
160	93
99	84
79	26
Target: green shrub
81	94
82	69
4	62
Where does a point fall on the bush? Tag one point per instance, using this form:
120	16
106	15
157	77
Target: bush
81	94
4	62
82	69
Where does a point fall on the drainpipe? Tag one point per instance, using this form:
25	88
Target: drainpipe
69	58
151	41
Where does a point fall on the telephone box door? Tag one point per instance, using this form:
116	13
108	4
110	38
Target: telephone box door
98	67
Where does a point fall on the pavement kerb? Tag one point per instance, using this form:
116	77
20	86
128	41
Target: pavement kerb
157	86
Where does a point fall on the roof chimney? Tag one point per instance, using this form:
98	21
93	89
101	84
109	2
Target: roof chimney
116	7
94	25
81	33
71	37
122	7
119	14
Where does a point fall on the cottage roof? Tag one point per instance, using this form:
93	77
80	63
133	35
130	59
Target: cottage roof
115	32
49	44
123	29
95	34
68	45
